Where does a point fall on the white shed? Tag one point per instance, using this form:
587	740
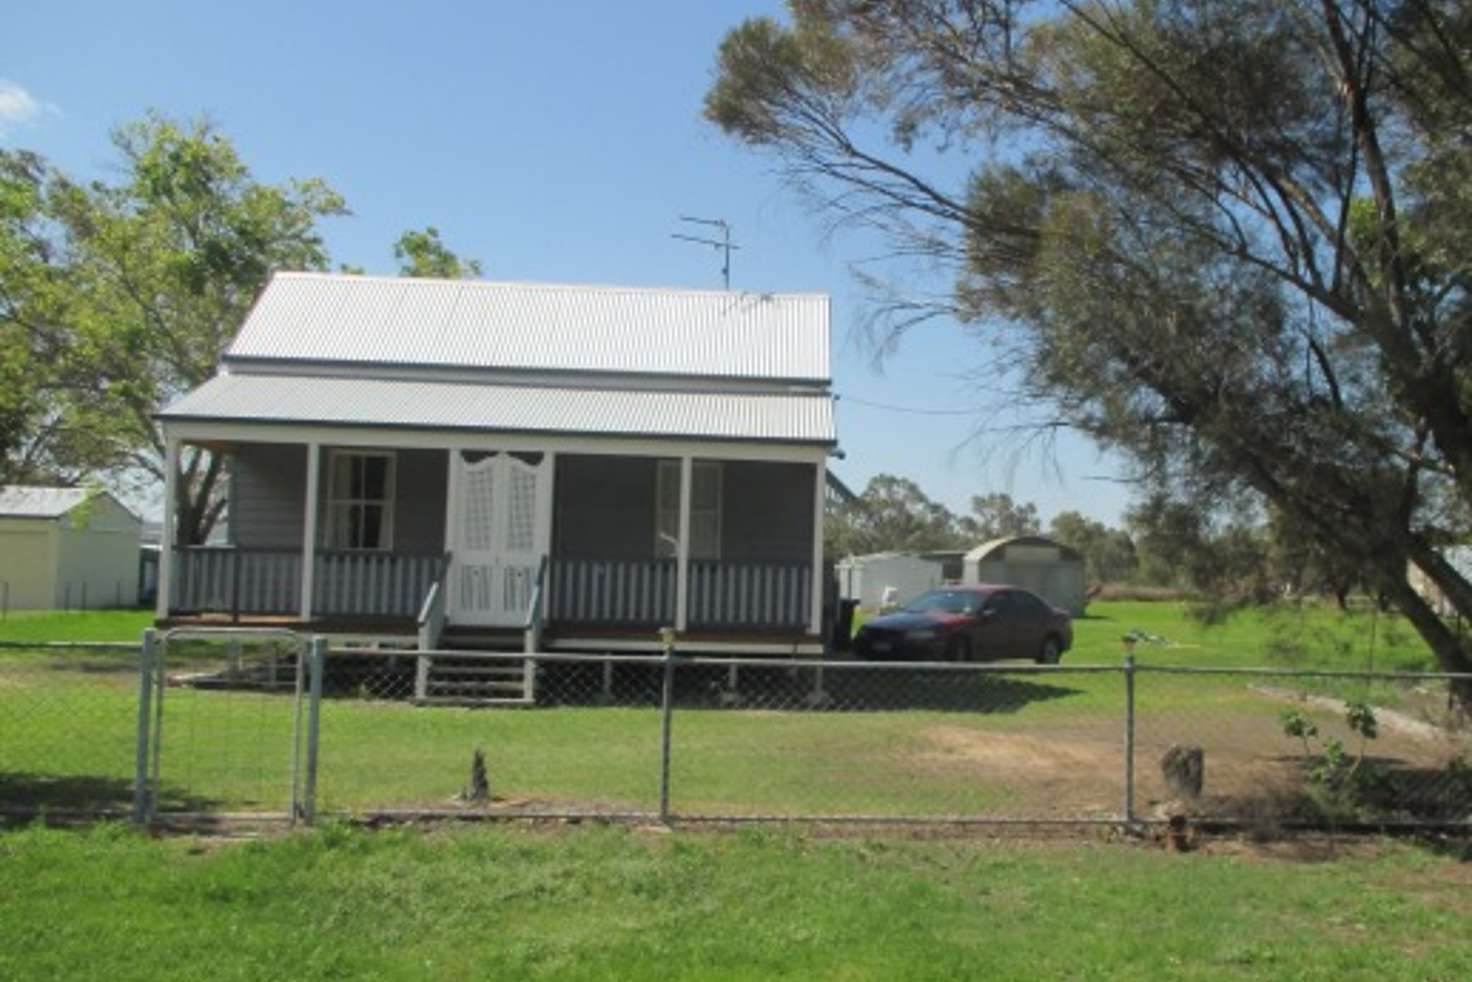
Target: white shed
66	548
1050	569
867	579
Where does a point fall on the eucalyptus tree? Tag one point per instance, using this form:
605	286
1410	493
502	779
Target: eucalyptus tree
1227	238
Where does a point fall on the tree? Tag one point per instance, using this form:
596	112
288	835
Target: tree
891	514
997	516
125	294
1229	238
1108	552
423	254
1181	545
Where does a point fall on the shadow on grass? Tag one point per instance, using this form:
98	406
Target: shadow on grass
797	689
31	792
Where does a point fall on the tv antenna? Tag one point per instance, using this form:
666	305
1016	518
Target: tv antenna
723	243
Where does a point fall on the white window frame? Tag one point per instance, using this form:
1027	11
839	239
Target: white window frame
667	474
333	502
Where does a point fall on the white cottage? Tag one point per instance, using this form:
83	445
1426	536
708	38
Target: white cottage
569	466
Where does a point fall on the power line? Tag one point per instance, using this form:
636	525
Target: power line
912	409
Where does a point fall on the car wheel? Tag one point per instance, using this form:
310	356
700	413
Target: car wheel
1050	652
958	650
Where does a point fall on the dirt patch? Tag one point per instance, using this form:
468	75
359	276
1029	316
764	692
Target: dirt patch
1053	773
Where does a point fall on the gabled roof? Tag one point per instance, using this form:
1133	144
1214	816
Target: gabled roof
30	501
22	501
301	399
336	319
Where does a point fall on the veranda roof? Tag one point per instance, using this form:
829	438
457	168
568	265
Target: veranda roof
332	401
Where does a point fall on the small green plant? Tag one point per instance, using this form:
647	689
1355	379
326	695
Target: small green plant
1339	780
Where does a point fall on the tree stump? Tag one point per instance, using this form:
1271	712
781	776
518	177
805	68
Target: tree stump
1184	769
480	785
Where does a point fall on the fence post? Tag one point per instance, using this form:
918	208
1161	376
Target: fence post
314	721
666	710
302	658
1129	740
145	696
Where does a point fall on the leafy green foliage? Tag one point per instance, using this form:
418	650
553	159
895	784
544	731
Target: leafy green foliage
1226	238
117	297
423	254
130	290
1339	779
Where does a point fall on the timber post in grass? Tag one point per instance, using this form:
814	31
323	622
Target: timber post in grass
145	693
1129	740
479	789
314	721
666	711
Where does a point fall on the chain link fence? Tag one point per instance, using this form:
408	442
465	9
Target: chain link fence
68	728
222	723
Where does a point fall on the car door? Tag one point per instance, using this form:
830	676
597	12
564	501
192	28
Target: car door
991	640
1032	621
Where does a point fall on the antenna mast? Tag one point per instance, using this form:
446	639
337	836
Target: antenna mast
724	243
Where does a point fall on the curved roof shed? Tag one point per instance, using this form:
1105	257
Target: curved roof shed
1050	569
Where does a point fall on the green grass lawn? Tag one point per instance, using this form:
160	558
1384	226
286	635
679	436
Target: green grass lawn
80	625
611	903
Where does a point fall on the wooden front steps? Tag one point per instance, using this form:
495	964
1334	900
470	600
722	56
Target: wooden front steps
474	680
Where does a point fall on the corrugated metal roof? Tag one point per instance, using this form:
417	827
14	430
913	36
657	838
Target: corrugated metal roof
22	501
789	418
321	317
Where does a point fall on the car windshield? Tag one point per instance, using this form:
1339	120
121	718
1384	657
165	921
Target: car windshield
945	601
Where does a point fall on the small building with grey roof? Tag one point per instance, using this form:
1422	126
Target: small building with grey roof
66	548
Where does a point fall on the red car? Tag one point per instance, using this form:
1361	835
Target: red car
978	622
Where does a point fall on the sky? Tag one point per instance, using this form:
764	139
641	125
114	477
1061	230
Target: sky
557	143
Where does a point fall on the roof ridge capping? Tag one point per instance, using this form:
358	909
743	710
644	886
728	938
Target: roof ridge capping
549	285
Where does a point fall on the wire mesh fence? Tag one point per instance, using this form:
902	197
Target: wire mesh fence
1315	748
941	742
224	722
398	734
68	727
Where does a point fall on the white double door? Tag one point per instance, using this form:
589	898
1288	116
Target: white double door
500	515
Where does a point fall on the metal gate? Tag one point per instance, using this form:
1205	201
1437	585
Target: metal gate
221	724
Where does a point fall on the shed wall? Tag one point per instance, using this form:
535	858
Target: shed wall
97	557
866	578
1060	583
28	563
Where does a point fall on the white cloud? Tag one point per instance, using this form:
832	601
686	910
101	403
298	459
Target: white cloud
19	106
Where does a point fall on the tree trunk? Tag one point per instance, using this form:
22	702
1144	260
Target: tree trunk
1451	655
195	504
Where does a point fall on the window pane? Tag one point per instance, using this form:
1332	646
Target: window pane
668	492
705	485
339	527
371	536
342	476
667	529
375	478
705	535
